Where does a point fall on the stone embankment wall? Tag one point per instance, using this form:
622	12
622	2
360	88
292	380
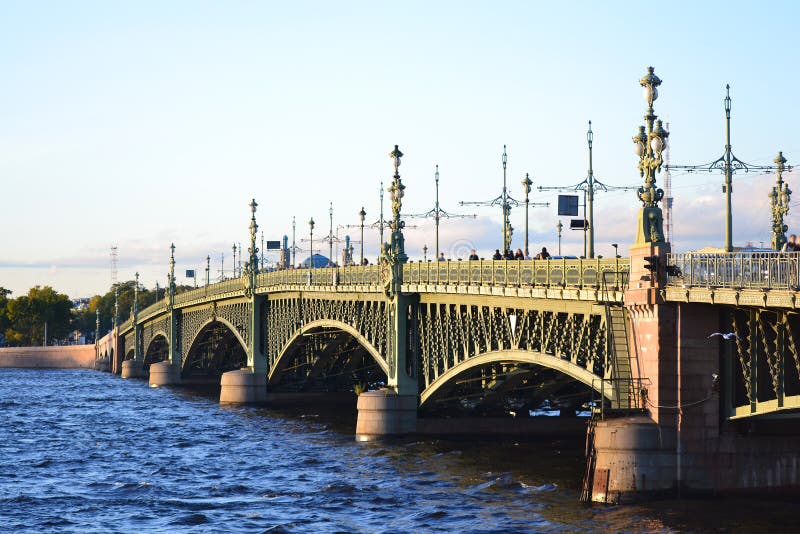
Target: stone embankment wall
66	357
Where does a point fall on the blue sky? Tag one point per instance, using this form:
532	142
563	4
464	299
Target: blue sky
143	123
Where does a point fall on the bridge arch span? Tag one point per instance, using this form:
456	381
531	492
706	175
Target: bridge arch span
157	348
321	327
540	359
216	347
202	327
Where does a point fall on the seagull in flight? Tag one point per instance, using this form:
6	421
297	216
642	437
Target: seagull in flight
727	337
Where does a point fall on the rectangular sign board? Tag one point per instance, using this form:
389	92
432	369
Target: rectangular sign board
273	245
568	205
189	273
577	224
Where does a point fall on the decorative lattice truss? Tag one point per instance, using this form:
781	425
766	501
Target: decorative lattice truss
285	317
129	343
153	328
235	314
766	374
452	334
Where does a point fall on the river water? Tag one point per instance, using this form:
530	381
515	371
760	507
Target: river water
83	451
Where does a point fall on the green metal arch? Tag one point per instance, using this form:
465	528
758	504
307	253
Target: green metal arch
228	325
329	323
519	356
155	335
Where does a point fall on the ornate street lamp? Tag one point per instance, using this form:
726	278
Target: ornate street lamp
559	227
311	242
362	215
208	270
779	197
526	186
425	252
234	260
649	144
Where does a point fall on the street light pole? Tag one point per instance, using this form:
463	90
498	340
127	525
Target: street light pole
438	213
330	237
234	260
361	215
526	186
294	246
311	242
425	252
590	193
559	227
728	173
208	270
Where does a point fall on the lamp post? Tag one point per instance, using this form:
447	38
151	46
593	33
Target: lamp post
590	195
559	227
425	252
330	237
438	213
208	270
311	242
590	185
779	196
526	186
294	245
116	305
362	215
728	164
648	145
234	260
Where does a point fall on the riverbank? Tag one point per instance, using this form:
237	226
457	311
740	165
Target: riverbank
56	357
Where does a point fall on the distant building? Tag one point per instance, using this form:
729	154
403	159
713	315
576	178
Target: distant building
319	261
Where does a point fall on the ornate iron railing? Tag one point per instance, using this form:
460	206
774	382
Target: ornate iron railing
767	270
153	309
606	273
596	273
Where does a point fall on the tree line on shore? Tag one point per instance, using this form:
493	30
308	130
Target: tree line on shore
23	318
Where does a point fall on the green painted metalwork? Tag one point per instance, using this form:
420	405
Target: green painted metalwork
779	197
766	373
763	270
649	146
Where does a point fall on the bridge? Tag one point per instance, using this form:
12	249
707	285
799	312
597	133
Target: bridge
674	408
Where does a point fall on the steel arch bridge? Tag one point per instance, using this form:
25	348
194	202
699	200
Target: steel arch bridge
470	328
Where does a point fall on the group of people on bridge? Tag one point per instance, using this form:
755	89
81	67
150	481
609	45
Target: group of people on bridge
519	255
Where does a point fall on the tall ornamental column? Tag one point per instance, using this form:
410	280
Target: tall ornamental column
249	385
133	368
393	410
169	371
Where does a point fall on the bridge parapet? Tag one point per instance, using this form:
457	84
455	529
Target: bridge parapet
755	270
154	309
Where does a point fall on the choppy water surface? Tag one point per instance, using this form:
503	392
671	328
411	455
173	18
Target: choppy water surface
89	452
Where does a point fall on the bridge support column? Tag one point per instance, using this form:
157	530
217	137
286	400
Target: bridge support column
169	371
385	413
635	457
243	387
164	374
392	411
249	385
132	369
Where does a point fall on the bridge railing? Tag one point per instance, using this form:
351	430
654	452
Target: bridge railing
153	309
328	276
220	288
760	270
594	273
